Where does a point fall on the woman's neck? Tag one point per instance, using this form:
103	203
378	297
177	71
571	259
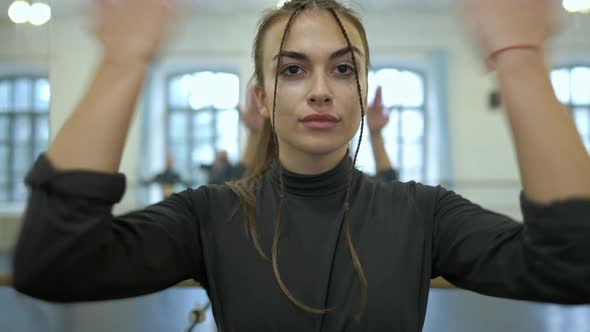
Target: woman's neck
311	164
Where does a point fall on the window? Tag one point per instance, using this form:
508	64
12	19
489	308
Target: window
24	131
572	87
202	117
403	93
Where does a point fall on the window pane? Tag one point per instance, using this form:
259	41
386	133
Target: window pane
227	132
403	88
42	128
412	88
202	89
218	90
4	128
181	161
4	168
19	190
582	119
23	89
3	164
203	127
203	154
412	155
177	127
22	129
225	91
581	86
22	159
5	96
40	147
390	136
412	125
179	91
411	174
560	79
389	80
42	95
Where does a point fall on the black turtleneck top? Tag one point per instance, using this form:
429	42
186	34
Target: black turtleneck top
71	248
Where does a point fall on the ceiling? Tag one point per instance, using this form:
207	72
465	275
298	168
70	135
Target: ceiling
72	7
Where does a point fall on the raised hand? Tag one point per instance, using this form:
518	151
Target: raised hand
251	117
377	117
132	30
501	24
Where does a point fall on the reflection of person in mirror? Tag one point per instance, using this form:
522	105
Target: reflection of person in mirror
305	241
222	170
377	119
168	178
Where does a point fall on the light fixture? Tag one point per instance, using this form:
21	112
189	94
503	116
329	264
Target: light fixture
19	11
577	6
40	13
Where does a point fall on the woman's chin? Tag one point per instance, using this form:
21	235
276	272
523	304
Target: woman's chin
322	147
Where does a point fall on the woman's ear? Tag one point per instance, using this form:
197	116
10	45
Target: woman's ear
261	101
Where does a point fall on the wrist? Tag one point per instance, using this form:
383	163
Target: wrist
518	59
375	135
113	60
511	53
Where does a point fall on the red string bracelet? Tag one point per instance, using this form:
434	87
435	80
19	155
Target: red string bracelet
491	60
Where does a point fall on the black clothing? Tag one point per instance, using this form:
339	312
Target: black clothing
387	175
168	176
228	173
71	248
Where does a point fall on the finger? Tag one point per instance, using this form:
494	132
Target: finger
378	101
103	7
98	11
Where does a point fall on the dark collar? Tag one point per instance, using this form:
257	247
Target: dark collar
330	182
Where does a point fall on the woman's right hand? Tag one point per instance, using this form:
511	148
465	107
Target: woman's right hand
377	116
131	31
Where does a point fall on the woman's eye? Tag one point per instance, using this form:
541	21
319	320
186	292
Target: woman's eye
344	69
292	70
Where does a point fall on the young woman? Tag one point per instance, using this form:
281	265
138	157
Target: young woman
306	242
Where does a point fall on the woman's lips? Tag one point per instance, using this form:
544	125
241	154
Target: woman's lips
320	121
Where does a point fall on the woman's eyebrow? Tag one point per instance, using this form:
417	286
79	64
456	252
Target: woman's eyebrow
302	56
345	51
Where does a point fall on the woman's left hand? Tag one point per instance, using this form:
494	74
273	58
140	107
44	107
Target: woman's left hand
498	24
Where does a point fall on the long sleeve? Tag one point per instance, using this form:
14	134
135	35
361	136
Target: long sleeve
387	175
545	259
72	248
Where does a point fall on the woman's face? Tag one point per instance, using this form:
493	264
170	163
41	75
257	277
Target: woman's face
318	110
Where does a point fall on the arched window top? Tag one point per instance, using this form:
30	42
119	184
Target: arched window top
203	89
400	87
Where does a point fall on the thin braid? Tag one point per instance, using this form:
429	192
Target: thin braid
277	235
274	100
359	90
353	253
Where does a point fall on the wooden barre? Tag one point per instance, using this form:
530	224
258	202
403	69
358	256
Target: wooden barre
435	283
